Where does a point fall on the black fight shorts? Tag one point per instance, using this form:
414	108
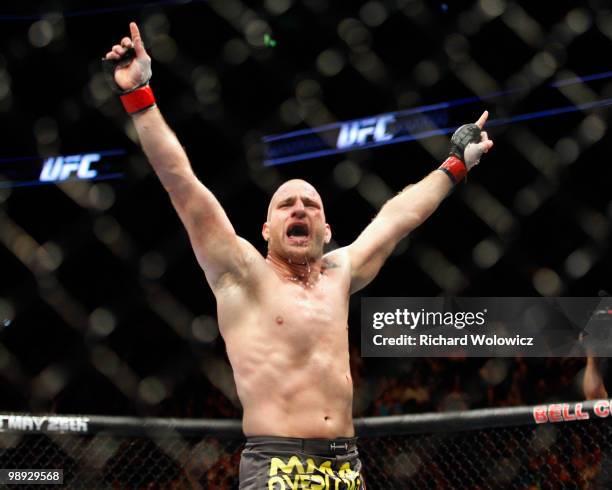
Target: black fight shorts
286	463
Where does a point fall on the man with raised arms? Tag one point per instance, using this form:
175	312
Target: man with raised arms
284	316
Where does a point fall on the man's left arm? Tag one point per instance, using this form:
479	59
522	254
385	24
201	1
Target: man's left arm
411	207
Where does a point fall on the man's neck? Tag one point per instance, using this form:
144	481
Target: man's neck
303	271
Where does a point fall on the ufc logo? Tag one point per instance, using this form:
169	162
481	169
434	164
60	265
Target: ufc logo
57	169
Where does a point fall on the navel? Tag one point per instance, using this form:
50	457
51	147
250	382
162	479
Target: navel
279	320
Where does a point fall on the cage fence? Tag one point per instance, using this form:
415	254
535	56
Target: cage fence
488	448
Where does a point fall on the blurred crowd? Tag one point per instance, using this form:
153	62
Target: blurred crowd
439	384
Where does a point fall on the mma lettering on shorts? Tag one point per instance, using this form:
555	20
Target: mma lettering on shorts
295	473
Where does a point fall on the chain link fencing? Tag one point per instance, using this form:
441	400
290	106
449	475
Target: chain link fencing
489	448
101	303
96	268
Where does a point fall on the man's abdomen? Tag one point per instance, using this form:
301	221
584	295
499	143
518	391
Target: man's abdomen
308	399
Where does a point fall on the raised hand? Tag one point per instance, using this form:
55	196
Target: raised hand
474	151
135	71
468	144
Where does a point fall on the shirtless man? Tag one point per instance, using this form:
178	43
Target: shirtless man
284	317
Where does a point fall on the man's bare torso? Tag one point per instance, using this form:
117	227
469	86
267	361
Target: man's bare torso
288	345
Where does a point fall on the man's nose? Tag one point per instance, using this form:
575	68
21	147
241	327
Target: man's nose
299	210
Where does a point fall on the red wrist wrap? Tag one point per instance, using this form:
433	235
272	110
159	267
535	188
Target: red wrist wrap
139	99
454	168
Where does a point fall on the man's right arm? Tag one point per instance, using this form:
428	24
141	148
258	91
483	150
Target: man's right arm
218	250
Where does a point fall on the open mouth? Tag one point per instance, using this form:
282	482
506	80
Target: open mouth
298	231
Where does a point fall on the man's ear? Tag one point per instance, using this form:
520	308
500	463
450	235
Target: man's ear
265	231
328	233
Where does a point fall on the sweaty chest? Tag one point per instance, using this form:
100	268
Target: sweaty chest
296	312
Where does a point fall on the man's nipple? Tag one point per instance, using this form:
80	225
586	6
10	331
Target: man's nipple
279	320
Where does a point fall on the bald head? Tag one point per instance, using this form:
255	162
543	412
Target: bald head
293	187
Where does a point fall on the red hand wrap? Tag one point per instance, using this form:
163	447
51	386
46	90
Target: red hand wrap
139	99
454	168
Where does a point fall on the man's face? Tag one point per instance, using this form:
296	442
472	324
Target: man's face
296	227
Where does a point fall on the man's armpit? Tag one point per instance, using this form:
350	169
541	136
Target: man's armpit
336	259
330	264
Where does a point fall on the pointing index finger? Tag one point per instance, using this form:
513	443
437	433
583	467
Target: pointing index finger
136	39
483	119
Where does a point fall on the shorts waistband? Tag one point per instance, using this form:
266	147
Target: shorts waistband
327	447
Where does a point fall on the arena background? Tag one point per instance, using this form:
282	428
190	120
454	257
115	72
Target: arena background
103	308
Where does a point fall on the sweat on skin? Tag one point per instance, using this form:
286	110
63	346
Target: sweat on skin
284	318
